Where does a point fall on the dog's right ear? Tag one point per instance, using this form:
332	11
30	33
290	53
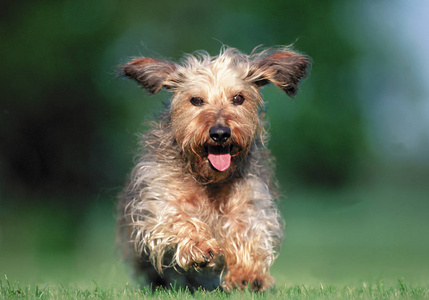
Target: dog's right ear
150	73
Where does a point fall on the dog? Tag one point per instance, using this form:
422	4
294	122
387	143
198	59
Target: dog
199	208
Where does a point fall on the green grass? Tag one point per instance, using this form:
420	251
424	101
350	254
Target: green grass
364	243
401	290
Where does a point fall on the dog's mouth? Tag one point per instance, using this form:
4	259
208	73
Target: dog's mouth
220	156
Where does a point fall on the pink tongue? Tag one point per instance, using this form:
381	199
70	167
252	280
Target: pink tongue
220	162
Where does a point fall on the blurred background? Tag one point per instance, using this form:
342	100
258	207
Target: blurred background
352	147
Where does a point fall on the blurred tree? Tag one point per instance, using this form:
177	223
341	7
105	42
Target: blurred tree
61	105
51	113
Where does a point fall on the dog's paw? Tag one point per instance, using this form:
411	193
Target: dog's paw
198	254
253	282
205	253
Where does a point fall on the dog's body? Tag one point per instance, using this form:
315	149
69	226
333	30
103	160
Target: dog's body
199	207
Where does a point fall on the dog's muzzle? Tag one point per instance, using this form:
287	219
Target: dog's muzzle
219	154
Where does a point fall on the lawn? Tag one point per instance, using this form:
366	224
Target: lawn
370	243
365	291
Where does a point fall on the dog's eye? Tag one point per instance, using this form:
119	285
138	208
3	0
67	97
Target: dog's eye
197	101
238	99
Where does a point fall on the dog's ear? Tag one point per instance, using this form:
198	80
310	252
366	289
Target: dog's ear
284	69
150	73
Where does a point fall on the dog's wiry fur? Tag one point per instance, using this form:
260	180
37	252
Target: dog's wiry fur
182	217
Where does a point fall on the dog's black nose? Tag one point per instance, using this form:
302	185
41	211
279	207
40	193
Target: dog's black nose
220	134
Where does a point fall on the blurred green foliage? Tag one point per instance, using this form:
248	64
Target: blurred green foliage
68	122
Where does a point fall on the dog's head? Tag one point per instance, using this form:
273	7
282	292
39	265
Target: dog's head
216	100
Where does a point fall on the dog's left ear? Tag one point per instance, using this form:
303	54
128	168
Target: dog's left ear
284	69
150	73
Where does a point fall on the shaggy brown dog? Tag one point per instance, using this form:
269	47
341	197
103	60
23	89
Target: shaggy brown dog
199	207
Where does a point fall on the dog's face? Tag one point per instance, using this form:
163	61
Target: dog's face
215	103
215	118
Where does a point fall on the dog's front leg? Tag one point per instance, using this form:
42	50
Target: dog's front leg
174	238
196	247
251	236
248	261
